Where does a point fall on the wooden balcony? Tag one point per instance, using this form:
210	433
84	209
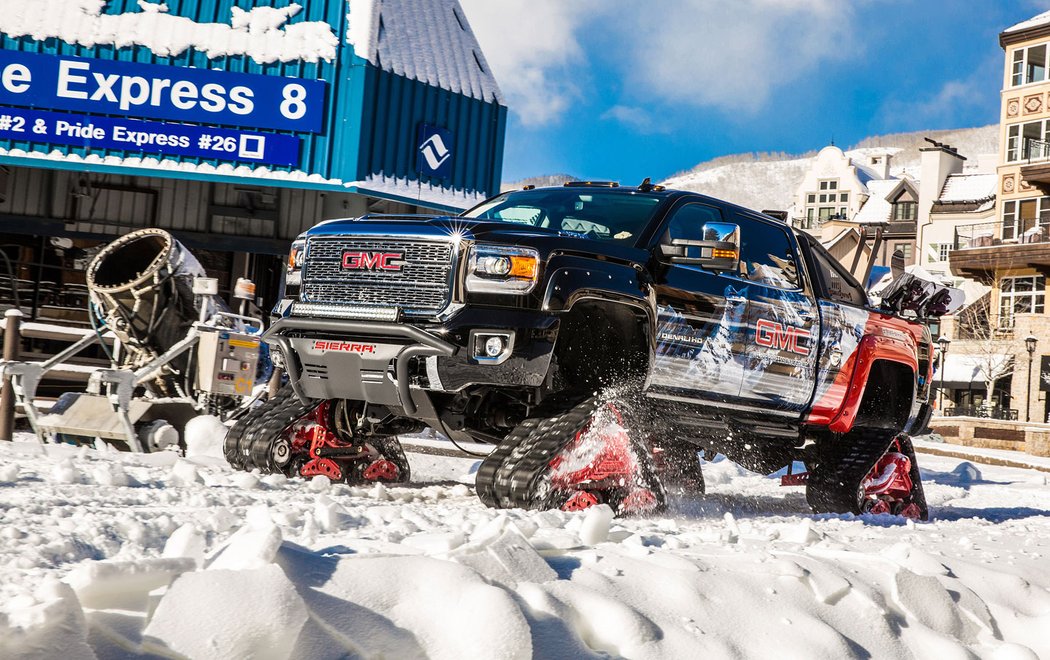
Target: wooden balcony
981	249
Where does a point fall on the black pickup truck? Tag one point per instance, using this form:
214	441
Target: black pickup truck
600	337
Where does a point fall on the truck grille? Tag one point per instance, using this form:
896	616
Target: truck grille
422	286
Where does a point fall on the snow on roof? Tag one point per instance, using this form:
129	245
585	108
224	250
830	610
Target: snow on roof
968	188
427	40
262	33
877	208
425	194
414	190
1035	21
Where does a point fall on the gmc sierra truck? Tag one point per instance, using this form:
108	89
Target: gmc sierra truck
600	337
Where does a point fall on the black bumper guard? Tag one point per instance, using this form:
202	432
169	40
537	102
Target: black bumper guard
425	345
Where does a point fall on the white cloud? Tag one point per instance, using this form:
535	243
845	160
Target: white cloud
636	118
953	101
532	48
694	53
733	55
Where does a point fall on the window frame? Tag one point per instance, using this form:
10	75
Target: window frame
814	252
1036	295
905	211
1015	139
1020	65
1011	214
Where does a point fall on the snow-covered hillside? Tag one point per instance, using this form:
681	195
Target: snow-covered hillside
121	556
769	181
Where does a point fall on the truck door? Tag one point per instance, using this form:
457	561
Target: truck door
782	335
702	314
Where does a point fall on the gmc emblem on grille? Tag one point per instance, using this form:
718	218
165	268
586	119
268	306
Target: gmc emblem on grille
373	261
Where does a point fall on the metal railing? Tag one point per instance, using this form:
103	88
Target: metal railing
1035	151
1009	414
990	234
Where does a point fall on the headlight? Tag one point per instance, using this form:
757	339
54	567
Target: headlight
295	263
497	269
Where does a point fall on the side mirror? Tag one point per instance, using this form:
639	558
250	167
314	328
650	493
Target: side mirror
719	250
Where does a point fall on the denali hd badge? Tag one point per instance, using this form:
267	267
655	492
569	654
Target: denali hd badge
373	261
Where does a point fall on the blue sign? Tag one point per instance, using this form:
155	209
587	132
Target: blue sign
155	91
435	152
148	137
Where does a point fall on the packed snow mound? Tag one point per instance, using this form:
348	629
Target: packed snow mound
204	436
189	558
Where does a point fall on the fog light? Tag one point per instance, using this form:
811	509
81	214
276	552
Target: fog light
491	347
494	346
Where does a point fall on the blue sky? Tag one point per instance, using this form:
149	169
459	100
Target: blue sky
619	89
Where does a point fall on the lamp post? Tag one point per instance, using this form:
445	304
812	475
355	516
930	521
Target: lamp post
942	342
1029	343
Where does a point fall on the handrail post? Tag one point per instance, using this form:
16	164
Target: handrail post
12	343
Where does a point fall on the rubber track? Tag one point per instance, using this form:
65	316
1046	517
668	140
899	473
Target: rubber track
248	442
834	486
511	474
493	468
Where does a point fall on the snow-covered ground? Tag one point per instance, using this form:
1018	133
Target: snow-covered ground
117	555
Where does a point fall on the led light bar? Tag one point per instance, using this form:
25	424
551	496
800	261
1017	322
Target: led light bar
346	312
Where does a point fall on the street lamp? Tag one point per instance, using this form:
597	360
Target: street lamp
1029	343
942	342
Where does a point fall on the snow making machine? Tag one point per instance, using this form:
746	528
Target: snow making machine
178	350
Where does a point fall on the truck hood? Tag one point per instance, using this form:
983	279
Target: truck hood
481	231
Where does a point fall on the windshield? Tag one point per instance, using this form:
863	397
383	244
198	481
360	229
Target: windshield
588	213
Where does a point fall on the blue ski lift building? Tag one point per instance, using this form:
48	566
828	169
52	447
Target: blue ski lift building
235	124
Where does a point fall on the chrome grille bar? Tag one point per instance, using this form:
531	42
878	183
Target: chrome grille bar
422	286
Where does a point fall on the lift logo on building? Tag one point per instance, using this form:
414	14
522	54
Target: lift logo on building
149	91
435	154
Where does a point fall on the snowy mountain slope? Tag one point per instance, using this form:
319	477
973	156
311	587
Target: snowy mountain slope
769	181
118	555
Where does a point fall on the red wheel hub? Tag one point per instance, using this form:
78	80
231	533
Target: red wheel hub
889	484
581	500
381	470
600	464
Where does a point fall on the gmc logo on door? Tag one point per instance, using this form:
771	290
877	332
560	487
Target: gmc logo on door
373	261
782	337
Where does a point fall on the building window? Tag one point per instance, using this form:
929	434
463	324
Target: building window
1029	65
1020	295
905	249
844	197
1023	217
904	211
829	184
1027	141
825	213
942	251
811	199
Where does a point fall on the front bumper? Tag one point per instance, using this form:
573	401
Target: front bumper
395	364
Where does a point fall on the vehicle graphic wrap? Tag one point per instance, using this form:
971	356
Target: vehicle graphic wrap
842	328
780	355
697	353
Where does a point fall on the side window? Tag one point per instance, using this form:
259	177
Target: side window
687	222
840	284
767	254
